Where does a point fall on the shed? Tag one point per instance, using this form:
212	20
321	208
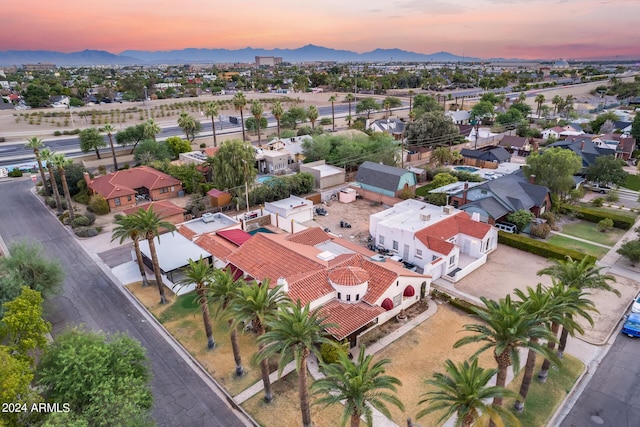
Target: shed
218	198
383	179
347	195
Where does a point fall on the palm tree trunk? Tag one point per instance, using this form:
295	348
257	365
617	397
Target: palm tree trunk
544	371
54	188
333	118
206	317
303	391
244	138
563	342
67	195
355	419
213	127
259	137
136	245
501	381
235	347
113	154
527	377
264	368
156	268
98	153
42	175
278	123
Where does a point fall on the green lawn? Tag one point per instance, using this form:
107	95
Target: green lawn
569	243
621	212
544	398
423	191
588	231
633	182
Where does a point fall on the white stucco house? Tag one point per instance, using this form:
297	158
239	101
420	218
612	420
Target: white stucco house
441	241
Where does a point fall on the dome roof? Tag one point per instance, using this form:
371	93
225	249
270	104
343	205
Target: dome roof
349	276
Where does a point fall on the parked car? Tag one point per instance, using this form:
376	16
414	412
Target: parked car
631	326
635	307
321	212
506	226
597	188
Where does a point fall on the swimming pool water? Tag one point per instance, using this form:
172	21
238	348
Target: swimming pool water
466	169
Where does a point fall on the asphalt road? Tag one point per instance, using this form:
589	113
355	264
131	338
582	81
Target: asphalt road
182	396
612	397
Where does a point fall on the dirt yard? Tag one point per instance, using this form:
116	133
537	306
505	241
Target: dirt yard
509	269
355	213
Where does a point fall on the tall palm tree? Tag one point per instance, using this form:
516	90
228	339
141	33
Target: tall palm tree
47	155
568	104
256	112
61	162
332	100
239	102
362	384
548	307
222	290
278	112
539	100
35	144
149	224
557	102
349	98
463	391
506	327
312	115
109	129
293	334
387	106
200	273
256	302
576	274
212	111
187	123
411	100
126	229
151	129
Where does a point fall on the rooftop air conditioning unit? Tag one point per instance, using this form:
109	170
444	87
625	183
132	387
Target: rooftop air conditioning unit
447	209
208	217
425	217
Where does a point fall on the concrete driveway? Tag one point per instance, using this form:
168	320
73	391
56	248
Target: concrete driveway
509	269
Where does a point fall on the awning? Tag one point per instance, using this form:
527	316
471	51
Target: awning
387	304
409	291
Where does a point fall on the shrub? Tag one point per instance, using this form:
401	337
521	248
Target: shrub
15	173
605	225
98	205
541	230
550	217
613	196
57	133
598	202
80	221
521	218
82	198
91	217
51	202
325	121
407	193
631	251
86	232
329	352
203	145
538	247
621	221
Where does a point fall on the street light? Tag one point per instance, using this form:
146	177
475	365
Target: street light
146	104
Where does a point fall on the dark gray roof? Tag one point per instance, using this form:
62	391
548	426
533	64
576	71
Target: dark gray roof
497	154
583	146
491	206
513	141
381	176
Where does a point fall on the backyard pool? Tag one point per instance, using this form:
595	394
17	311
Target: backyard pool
264	179
469	169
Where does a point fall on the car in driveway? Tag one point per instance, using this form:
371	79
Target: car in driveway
635	307
631	325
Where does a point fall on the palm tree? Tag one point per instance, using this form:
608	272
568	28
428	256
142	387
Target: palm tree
442	155
463	391
151	129
222	290
410	100
254	304
568	104
548	307
188	124
312	115
387	106
349	98
212	111
506	327
109	129
278	112
576	274
47	155
361	384
61	162
149	224
522	97
332	100
557	102
239	102
539	100
200	273
293	334
256	112
126	229
35	144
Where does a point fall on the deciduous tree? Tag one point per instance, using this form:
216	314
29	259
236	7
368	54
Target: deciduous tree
554	168
91	139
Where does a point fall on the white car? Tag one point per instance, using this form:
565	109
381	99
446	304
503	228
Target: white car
635	307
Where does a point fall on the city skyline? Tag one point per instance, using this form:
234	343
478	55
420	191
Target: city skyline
545	29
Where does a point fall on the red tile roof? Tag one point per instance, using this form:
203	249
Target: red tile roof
348	317
435	236
215	245
310	236
214	192
210	151
308	287
349	276
163	208
124	182
187	232
236	236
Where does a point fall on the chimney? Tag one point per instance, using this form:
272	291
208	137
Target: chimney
464	193
87	178
582	145
532	179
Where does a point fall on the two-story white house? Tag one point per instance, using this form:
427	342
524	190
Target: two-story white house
441	241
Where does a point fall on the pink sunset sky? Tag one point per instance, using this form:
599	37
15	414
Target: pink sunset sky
525	29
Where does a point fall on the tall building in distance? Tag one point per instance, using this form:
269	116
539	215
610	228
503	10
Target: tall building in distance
268	61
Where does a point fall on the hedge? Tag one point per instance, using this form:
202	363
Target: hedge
541	248
624	222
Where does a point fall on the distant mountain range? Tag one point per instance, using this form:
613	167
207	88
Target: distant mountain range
140	57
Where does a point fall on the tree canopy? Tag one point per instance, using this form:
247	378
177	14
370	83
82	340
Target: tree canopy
554	168
367	105
349	152
233	165
177	145
607	170
431	129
